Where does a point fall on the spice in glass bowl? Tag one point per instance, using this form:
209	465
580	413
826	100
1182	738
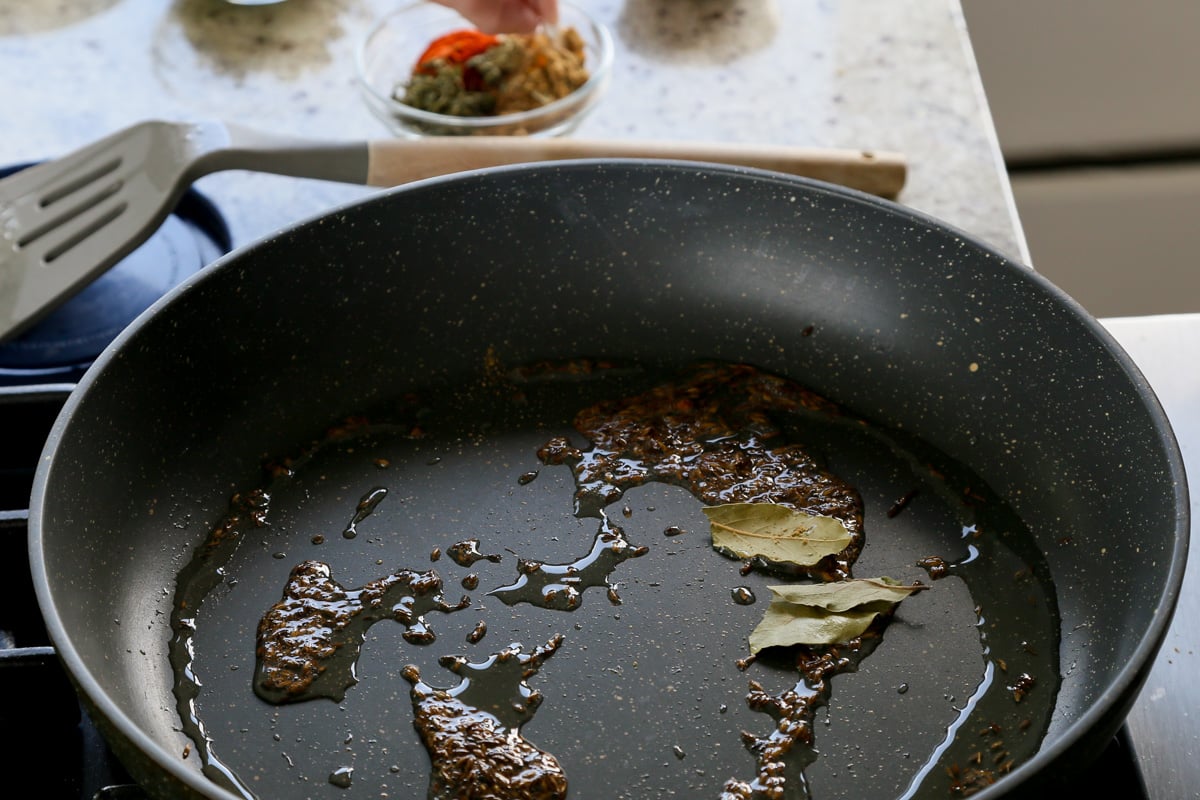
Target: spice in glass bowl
468	73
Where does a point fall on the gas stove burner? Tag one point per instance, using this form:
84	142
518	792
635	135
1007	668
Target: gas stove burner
64	344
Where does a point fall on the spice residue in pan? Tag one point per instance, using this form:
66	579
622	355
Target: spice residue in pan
561	586
473	730
659	665
309	641
712	434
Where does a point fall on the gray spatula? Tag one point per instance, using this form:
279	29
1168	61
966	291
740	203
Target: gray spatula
64	222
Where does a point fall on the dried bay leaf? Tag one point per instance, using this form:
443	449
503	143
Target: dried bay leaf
775	532
784	625
837	596
825	613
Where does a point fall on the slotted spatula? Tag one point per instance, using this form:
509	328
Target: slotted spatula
63	222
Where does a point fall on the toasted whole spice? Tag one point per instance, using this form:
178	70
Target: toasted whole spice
551	69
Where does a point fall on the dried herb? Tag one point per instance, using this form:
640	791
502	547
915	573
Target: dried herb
826	613
777	533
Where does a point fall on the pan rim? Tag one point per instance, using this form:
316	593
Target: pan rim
1122	689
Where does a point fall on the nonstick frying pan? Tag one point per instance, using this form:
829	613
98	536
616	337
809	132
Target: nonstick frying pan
980	377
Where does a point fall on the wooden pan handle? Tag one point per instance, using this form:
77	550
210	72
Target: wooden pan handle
396	161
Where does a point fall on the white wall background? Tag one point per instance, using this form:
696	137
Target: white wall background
1097	107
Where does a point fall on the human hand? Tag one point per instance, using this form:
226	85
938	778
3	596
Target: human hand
505	16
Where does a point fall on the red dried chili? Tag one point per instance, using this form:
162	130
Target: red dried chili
455	47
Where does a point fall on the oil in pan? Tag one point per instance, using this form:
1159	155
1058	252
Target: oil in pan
600	644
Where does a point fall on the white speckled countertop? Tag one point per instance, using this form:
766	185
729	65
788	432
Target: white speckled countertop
853	73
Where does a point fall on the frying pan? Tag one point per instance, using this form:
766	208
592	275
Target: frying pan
963	359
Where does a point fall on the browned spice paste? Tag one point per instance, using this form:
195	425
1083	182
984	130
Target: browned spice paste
309	641
480	754
711	433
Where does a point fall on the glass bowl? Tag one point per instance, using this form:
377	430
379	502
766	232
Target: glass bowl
393	45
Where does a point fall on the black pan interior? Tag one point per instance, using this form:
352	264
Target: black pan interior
905	322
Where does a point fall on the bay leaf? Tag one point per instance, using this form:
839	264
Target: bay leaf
775	532
784	625
825	613
839	596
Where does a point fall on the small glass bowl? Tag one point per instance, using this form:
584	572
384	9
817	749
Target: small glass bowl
392	47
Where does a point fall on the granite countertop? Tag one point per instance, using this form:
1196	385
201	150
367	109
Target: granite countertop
854	74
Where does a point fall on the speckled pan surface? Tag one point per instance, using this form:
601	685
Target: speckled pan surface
906	323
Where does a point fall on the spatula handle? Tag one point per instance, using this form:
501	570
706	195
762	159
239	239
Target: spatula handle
392	162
